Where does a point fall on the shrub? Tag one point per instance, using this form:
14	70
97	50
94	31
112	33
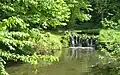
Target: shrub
19	43
109	61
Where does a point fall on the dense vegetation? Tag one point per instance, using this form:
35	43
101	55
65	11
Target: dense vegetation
23	25
34	30
109	44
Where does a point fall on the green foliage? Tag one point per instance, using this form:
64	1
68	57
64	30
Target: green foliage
42	13
110	24
84	36
101	6
2	69
105	9
109	36
17	35
45	40
14	24
79	9
19	43
64	40
20	21
109	61
12	56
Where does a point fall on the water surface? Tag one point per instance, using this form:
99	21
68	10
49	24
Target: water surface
71	63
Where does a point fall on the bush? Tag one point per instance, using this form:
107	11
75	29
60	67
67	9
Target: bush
109	61
19	43
109	36
109	24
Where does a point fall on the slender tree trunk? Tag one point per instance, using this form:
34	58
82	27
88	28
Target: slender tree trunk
72	19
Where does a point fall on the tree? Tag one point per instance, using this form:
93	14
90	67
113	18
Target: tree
105	9
37	13
20	37
79	10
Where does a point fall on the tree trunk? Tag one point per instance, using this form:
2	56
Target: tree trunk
72	19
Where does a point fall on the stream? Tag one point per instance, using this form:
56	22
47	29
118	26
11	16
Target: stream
68	65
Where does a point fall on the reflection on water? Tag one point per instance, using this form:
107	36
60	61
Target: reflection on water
69	64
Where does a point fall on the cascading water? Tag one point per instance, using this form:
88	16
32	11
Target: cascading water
87	43
91	42
72	41
78	43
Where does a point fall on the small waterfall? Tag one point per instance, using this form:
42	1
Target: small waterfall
87	42
77	41
72	41
78	44
91	42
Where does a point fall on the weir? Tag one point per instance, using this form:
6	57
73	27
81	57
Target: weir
78	44
81	47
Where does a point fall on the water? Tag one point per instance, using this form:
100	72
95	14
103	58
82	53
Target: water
77	41
68	65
